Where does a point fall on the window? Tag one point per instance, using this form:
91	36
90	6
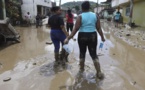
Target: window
127	11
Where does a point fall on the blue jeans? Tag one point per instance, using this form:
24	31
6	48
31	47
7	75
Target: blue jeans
57	37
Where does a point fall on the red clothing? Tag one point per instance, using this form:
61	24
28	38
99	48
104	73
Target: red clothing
69	19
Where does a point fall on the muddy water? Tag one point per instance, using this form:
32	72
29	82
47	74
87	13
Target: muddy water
32	44
29	64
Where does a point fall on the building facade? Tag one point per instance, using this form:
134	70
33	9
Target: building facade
138	10
2	11
34	7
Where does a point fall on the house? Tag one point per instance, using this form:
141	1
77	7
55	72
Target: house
105	10
138	12
34	7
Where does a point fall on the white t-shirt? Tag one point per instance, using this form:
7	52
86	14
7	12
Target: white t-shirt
28	16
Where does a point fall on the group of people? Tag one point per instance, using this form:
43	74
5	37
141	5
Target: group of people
38	19
87	25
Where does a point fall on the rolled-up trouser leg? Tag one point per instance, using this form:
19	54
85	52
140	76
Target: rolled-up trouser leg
66	56
56	58
99	74
97	65
62	57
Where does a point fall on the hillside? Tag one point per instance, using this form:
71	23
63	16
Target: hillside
76	4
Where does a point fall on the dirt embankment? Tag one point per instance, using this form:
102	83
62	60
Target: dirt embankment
133	36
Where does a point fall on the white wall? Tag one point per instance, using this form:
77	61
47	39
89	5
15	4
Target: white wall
123	1
118	2
115	3
99	9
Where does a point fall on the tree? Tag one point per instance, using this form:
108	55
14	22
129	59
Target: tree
12	9
77	8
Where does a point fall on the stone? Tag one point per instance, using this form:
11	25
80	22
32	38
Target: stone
7	79
34	63
128	35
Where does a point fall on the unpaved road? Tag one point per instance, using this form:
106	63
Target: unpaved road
29	65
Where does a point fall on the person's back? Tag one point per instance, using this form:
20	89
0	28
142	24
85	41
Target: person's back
88	22
58	35
117	16
38	17
70	19
54	22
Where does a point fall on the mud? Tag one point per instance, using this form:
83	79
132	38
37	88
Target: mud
29	64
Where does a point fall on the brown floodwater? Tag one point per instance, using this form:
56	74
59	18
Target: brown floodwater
29	64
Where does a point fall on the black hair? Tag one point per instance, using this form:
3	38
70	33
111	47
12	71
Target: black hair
52	9
55	8
85	5
69	13
118	12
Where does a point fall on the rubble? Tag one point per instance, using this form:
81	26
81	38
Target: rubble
133	36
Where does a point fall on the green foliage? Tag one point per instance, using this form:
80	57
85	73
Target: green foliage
77	5
12	8
77	8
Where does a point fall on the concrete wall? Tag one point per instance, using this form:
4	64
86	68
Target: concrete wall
99	9
138	13
116	3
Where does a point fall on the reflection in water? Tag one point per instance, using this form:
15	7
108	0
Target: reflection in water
85	82
32	45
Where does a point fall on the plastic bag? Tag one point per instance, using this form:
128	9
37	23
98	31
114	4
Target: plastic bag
68	47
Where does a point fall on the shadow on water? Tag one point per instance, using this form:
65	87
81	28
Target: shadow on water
6	44
49	69
80	81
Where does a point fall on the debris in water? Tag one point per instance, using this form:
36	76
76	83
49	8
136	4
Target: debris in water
0	64
34	63
134	82
7	79
74	39
128	35
48	42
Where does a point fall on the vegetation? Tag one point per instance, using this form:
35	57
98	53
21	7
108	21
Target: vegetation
77	5
12	9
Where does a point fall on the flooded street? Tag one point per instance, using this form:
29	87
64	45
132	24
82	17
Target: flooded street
29	65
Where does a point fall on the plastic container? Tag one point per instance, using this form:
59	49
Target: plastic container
101	45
